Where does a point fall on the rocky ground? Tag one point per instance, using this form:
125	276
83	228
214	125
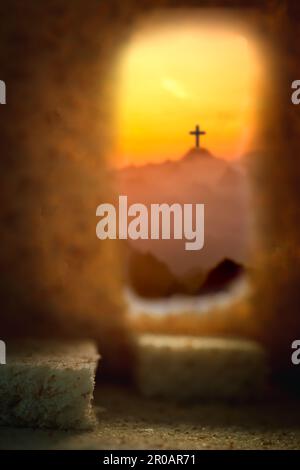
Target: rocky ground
129	421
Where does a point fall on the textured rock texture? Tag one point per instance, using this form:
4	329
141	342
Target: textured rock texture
128	421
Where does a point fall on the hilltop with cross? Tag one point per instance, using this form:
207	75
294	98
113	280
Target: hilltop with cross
197	151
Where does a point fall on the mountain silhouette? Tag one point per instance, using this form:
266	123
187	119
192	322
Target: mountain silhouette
221	276
149	277
198	177
195	153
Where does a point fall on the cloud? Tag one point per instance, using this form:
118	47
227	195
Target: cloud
175	88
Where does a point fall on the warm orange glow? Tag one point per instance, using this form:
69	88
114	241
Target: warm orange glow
176	75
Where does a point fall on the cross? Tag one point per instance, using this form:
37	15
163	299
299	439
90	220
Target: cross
197	134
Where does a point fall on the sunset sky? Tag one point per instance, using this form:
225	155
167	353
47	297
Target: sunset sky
173	76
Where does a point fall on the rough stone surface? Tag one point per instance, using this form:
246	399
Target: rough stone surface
128	421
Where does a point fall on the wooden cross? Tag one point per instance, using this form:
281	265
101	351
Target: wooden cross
197	134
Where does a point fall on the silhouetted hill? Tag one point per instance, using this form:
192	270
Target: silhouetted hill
198	177
149	277
221	276
195	153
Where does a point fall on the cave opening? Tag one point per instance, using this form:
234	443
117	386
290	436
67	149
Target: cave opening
187	128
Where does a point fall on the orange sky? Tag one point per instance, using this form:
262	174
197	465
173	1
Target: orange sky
175	75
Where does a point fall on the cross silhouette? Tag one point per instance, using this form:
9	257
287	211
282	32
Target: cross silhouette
197	134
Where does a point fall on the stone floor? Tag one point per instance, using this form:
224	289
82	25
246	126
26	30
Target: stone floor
129	421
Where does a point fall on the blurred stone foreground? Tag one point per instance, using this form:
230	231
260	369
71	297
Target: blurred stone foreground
129	421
